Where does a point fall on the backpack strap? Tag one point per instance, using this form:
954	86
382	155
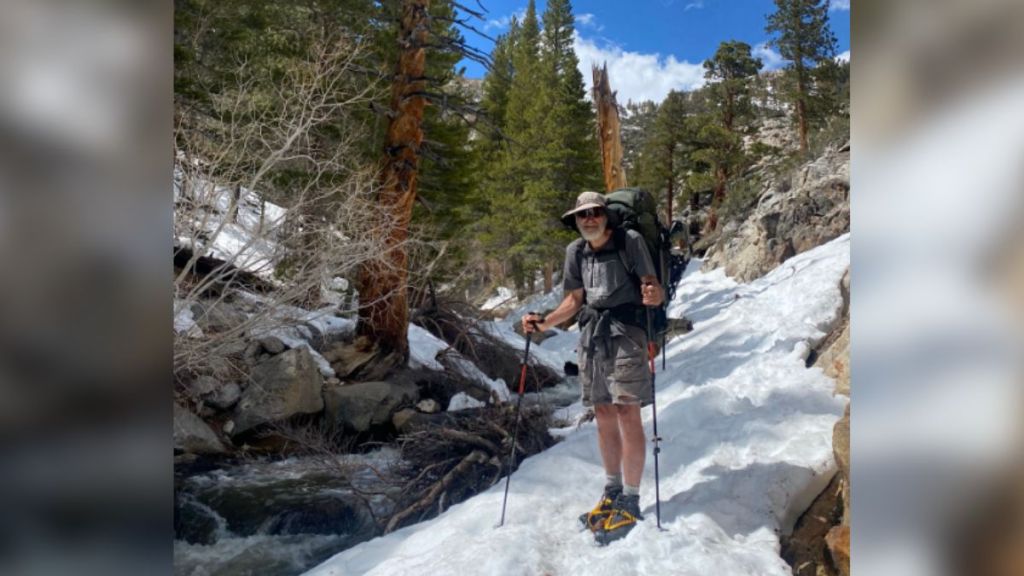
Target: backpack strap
619	242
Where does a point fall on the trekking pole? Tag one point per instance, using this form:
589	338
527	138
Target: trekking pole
654	416
664	341
666	278
515	433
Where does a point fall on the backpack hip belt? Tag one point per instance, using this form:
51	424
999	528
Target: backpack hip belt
602	324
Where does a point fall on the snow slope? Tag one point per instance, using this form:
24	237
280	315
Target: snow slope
246	242
746	434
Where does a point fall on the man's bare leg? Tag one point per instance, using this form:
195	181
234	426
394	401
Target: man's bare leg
609	439
633	449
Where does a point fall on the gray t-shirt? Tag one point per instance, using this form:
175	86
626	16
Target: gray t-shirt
604	278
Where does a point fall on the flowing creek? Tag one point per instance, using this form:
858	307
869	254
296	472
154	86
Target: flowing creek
277	518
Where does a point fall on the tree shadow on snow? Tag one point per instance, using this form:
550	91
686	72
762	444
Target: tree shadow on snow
710	304
720	357
693	427
739	501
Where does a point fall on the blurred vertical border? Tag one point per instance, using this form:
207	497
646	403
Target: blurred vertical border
85	303
938	259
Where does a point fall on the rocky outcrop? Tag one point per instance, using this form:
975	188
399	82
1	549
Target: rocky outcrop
192	435
282	386
777	132
262	348
838	538
357	407
804	549
834	354
795	214
225	397
218	316
361	360
212	394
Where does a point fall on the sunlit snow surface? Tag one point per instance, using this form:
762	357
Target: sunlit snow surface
249	242
747	432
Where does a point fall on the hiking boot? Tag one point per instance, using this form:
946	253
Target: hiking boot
596	517
624	516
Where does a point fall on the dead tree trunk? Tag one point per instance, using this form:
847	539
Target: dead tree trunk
384	310
801	104
608	130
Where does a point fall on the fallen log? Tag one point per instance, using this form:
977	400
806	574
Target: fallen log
474	457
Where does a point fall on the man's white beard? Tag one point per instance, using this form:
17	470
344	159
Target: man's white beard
591	236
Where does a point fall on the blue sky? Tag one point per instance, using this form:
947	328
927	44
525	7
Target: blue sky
654	46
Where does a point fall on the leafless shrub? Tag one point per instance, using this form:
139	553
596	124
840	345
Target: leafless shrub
328	222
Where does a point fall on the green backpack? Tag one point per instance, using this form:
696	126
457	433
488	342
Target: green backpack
635	209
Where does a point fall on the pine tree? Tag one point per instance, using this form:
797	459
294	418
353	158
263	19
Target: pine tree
496	86
514	222
636	124
493	236
568	156
383	281
664	150
448	178
730	72
717	156
524	109
543	152
803	37
581	167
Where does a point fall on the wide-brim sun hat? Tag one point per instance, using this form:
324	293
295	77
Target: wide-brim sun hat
589	200
584	201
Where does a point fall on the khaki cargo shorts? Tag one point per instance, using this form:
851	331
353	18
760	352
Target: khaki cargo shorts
621	377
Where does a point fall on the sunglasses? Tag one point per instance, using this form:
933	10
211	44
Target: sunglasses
590	213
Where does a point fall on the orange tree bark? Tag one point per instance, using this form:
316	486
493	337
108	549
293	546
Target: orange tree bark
384	309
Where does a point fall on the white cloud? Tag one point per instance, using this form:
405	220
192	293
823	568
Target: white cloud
771	59
637	76
694	5
588	20
501	24
837	5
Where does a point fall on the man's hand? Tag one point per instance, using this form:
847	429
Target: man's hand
532	323
652	294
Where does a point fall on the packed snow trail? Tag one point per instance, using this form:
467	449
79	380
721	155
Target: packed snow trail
747	442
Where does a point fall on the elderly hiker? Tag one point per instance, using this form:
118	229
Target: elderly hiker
609	276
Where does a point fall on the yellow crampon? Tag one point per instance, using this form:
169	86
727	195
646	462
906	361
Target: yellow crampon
622	518
600	514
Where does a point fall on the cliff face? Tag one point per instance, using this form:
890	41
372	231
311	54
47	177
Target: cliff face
795	213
